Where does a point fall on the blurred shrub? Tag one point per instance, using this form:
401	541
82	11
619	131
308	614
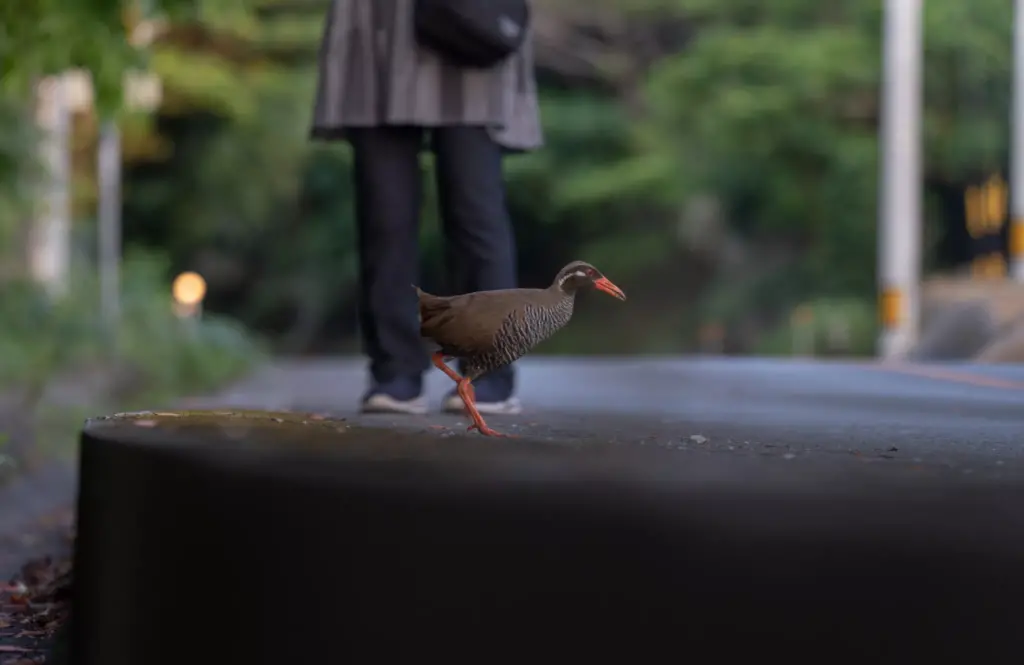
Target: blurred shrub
17	167
169	354
840	327
58	359
41	338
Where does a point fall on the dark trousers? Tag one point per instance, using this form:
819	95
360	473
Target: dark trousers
477	228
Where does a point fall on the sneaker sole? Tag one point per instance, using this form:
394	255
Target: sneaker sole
510	407
388	404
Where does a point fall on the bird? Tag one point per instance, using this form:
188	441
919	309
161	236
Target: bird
487	330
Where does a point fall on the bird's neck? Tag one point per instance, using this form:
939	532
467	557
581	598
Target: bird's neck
559	291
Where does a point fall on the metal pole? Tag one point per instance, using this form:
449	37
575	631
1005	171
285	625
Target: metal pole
900	237
50	242
1016	237
108	166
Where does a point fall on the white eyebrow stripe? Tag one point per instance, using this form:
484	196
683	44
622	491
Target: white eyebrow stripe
578	273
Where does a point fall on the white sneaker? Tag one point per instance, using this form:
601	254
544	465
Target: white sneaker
384	403
509	407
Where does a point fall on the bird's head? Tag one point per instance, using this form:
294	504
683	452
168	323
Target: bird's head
580	274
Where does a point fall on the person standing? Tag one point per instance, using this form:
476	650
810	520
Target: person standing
390	97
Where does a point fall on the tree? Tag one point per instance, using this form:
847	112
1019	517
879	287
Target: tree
771	110
725	147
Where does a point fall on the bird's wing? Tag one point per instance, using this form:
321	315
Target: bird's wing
468	325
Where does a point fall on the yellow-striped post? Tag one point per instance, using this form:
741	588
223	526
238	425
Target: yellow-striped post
985	209
1015	247
900	225
892	305
1016	238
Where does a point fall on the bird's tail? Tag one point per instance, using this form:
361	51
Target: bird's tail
430	307
427	298
423	295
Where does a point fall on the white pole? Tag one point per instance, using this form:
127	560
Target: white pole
1016	238
900	238
108	166
50	242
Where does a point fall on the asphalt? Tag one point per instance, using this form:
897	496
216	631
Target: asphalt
950	419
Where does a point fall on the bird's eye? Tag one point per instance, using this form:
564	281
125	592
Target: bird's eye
591	272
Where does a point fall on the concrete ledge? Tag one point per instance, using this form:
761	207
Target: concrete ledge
278	538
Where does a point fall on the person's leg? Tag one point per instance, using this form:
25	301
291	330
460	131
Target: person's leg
387	193
471	193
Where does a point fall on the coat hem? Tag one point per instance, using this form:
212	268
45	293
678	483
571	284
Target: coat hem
340	133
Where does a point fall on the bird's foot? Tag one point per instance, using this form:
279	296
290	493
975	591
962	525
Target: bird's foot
487	431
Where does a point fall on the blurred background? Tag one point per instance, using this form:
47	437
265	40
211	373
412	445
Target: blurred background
718	159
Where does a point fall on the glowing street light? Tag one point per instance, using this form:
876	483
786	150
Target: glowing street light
188	291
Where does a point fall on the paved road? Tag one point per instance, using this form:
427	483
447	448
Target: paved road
957	419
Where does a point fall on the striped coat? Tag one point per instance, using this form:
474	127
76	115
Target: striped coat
373	72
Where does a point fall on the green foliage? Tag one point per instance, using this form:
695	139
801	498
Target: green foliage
171	355
770	111
60	363
776	137
584	186
773	111
968	68
45	37
18	168
43	337
836	327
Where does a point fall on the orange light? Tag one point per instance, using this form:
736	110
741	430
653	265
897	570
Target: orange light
189	289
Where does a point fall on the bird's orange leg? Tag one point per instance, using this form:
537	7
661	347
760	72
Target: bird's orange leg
466	393
438	360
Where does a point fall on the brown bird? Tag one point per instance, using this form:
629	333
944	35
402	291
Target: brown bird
491	329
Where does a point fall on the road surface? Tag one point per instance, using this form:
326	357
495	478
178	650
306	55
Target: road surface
957	418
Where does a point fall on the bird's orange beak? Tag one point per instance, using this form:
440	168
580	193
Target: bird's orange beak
605	284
